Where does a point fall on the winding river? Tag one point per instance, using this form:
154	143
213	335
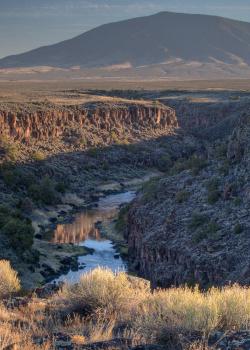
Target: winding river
85	231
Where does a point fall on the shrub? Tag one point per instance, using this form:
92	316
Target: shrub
185	310
213	196
100	289
10	149
213	184
194	163
38	156
225	167
207	231
182	196
44	192
122	218
16	178
221	151
238	228
197	220
164	163
9	282
61	187
237	201
150	189
114	136
19	232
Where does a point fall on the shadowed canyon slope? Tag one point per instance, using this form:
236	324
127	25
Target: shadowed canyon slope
163	45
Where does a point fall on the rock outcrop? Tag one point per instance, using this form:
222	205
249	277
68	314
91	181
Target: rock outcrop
55	122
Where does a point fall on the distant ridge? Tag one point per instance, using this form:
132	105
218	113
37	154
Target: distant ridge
163	44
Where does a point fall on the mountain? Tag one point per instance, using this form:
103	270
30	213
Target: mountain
160	45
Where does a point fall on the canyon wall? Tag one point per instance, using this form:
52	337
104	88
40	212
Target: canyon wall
53	122
194	228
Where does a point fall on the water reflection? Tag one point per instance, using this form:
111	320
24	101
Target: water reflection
83	231
84	225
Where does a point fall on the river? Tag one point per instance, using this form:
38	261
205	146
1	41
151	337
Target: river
84	231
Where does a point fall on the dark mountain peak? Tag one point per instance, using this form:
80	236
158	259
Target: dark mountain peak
156	40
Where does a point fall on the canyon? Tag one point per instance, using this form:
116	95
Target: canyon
94	142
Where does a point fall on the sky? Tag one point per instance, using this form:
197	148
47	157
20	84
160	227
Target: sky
28	24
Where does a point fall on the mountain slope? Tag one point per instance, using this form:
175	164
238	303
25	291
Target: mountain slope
162	41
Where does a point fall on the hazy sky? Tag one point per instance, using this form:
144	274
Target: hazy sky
27	24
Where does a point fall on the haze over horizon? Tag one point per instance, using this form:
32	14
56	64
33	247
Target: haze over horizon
35	23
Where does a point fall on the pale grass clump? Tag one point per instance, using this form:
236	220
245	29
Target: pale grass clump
9	281
101	289
185	310
106	305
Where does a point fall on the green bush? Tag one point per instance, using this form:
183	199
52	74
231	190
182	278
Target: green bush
237	201
164	163
197	220
208	230
213	196
194	163
221	151
213	184
225	167
150	189
44	192
122	218
16	178
20	233
61	187
238	228
182	196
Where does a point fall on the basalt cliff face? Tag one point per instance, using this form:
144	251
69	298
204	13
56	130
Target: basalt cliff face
34	123
188	228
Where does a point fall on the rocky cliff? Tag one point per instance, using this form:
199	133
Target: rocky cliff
27	122
194	227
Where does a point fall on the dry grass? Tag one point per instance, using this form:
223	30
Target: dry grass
101	290
185	310
9	282
104	306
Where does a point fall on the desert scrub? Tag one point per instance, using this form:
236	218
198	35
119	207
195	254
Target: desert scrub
198	220
38	156
221	151
150	189
164	163
184	310
213	184
9	148
9	281
16	178
225	168
194	163
102	290
19	233
238	228
182	196
17	229
207	231
44	192
118	308
213	196
122	218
